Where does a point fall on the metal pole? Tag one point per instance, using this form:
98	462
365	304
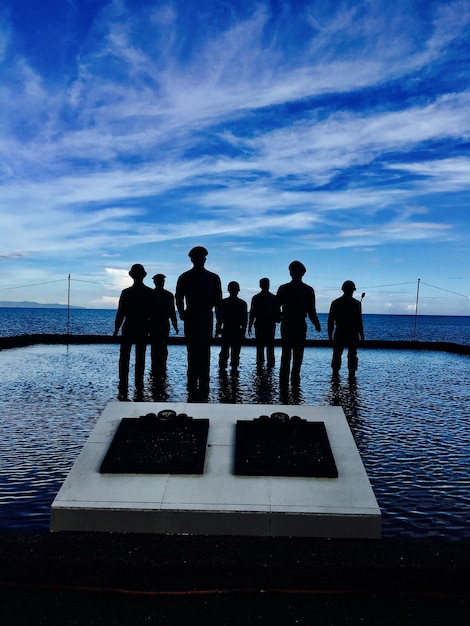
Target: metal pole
416	309
68	307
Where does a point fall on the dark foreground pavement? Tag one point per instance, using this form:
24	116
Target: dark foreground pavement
77	578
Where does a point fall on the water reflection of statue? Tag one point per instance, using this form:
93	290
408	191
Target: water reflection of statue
163	311
232	320
296	301
264	314
345	328
133	315
198	292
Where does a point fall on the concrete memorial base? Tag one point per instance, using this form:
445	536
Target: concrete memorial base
218	501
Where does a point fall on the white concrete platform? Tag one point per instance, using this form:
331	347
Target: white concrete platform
218	502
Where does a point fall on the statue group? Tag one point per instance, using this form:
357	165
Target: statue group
145	314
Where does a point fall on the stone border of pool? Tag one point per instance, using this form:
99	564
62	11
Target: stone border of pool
21	341
103	578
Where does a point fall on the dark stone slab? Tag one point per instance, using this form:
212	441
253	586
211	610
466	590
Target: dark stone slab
283	446
163	444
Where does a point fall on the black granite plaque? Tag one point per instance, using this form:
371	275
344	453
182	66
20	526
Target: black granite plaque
150	445
283	446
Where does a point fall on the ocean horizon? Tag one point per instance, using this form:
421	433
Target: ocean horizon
377	327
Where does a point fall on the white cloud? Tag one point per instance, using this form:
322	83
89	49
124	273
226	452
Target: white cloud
163	134
443	175
145	102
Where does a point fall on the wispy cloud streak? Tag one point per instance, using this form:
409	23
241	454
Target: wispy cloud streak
332	125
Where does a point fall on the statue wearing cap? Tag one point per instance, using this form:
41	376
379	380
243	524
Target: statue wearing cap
198	293
163	312
296	301
133	315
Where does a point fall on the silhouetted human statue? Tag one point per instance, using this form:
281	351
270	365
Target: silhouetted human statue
264	313
133	315
163	311
198	292
232	319
296	301
345	328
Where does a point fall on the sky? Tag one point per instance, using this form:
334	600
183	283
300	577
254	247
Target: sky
332	132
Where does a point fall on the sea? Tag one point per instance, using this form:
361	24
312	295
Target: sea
408	410
21	321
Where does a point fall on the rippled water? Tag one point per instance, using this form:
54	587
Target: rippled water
408	411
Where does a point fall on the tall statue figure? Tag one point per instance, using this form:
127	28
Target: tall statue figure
133	314
264	314
296	301
345	320
198	293
163	312
232	320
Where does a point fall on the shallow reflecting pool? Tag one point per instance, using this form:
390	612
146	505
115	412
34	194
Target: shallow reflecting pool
408	411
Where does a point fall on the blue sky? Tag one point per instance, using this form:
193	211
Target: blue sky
336	133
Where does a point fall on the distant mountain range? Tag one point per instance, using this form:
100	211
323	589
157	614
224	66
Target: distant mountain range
7	304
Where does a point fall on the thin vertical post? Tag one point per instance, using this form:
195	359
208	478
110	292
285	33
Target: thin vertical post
416	309
68	307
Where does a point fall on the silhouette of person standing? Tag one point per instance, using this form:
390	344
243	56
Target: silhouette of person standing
198	292
345	319
232	320
163	311
296	300
264	314
133	314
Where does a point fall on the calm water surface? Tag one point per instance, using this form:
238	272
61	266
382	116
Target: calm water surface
455	329
408	411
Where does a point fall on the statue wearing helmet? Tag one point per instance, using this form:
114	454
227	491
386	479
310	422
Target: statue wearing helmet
345	328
